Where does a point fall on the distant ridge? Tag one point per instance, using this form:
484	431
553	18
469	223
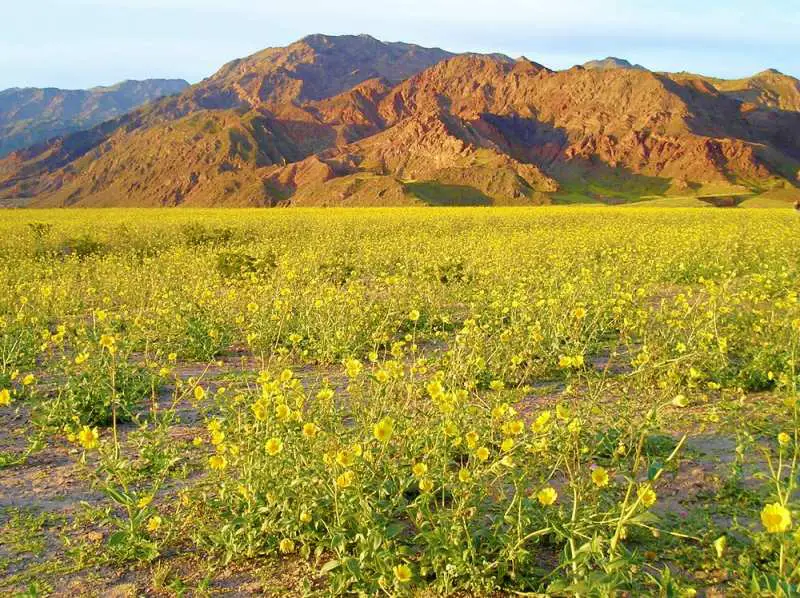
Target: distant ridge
612	63
32	115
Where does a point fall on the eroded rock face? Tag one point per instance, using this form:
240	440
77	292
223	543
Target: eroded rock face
334	119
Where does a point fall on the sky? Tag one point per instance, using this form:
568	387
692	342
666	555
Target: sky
82	43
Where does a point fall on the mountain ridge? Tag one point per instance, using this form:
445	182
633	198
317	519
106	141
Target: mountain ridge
612	62
350	120
30	115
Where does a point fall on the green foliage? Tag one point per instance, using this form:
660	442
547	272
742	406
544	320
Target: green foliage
460	401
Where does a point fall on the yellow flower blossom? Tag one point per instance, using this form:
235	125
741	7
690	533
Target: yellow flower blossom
89	438
547	496
346	479
383	430
647	495
286	546
273	446
109	343
310	430
153	523
600	477
402	573
217	462
776	518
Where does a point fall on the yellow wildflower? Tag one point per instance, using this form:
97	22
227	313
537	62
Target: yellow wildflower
274	446
776	518
419	470
600	477
402	573
547	496
282	411
326	394
153	523
217	462
310	430
514	428
384	429
286	546
345	458
108	343
541	423
647	495
89	438
353	368
346	479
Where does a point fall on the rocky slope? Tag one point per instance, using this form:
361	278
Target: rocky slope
354	121
770	89
31	115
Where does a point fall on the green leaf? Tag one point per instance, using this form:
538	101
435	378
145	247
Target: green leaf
329	566
117	538
394	529
654	469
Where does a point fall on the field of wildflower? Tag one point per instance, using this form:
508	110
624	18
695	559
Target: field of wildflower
472	402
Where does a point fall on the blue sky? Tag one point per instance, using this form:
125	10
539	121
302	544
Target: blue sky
81	43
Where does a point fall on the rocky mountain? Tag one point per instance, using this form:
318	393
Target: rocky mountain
32	115
769	89
354	121
611	63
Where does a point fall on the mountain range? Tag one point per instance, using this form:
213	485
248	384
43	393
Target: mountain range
350	120
33	115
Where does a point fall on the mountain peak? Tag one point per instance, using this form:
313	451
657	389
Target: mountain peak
524	63
612	62
323	39
770	73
